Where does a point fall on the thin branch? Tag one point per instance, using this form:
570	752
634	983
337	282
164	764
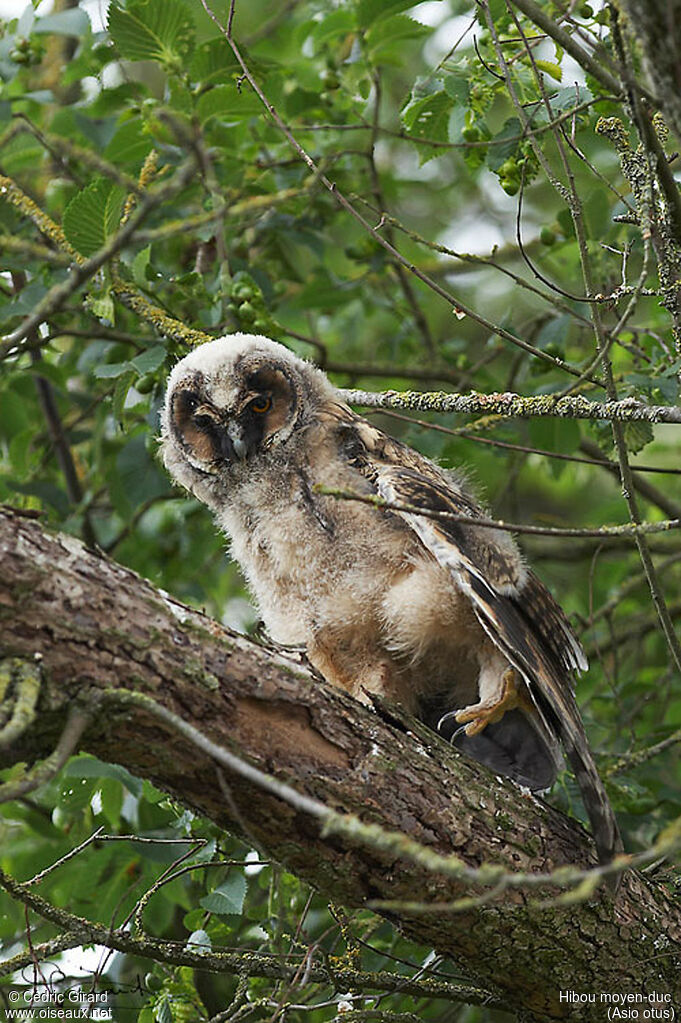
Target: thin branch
630	761
626	529
671	508
256	964
567	42
402	276
459	308
465	434
83	271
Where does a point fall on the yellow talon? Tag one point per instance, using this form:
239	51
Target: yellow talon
479	715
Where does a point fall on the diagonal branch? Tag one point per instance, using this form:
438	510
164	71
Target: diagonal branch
400	782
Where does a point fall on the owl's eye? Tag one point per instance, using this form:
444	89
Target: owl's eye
261	404
190	400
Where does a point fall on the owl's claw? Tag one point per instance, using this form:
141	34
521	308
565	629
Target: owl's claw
479	715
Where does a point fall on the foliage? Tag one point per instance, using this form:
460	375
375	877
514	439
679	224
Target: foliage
505	197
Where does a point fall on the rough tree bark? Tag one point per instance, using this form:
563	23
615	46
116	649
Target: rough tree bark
657	26
98	625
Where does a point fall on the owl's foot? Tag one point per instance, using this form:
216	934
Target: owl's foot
479	715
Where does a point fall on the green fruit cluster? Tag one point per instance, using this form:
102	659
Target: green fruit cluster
247	306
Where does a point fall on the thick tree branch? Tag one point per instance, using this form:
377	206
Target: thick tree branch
628	410
100	627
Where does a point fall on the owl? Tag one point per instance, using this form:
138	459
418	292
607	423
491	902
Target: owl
441	617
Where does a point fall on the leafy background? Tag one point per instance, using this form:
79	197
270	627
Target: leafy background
405	111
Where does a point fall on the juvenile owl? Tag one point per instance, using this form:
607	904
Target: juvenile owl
441	617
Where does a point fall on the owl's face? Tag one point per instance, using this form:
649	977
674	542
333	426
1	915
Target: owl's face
229	402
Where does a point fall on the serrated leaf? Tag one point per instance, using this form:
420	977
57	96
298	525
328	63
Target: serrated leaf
93	216
149	360
429	117
457	86
229	103
369	11
227	898
383	38
637	435
161	30
554	71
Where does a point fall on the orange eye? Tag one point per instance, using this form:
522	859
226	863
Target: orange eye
262	404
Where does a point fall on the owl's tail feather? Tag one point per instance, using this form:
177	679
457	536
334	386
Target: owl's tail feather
606	833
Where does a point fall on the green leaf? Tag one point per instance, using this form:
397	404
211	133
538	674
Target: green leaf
111	792
140	478
93	216
505	144
637	435
161	30
457	86
13	414
71	22
369	11
111	370
90	767
140	265
150	360
229	103
130	145
213	59
123	385
568	97
75	793
428	118
554	71
384	37
227	898
337	23
101	304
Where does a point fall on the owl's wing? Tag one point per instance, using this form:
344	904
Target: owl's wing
514	608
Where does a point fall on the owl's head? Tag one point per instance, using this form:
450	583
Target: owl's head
232	400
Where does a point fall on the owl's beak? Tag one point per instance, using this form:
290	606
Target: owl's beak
233	436
227	449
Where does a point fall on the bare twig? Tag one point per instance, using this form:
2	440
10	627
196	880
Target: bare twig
481	521
256	964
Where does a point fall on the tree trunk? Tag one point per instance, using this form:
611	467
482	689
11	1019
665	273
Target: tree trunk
657	26
97	625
